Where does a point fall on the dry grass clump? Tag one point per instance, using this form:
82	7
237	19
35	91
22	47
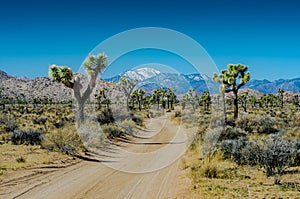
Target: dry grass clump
65	140
259	124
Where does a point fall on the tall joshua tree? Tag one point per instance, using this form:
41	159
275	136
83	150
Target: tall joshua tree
280	92
192	97
139	96
102	98
228	79
206	100
159	95
252	100
127	85
171	98
243	98
93	66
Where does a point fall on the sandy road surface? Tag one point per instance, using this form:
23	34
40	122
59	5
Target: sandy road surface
147	166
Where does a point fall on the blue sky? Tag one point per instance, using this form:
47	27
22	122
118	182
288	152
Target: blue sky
262	34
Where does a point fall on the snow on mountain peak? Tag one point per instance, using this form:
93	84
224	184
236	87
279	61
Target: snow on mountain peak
142	73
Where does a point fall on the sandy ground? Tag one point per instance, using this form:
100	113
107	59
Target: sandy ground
147	166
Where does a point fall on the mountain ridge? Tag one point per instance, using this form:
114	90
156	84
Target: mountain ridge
200	82
22	87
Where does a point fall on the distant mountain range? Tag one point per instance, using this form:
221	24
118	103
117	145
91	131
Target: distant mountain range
265	86
150	79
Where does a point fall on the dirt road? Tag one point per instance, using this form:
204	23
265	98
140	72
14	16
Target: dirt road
147	166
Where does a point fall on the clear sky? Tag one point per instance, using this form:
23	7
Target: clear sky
262	34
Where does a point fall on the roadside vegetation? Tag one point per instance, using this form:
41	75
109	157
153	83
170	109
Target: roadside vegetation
245	146
251	152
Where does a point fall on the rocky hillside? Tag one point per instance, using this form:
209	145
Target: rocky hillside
41	86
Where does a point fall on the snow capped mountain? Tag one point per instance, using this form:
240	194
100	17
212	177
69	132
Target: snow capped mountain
142	74
150	79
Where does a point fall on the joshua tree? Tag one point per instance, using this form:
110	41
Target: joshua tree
50	101
159	95
280	92
295	101
228	79
102	98
171	98
192	98
252	100
139	96
206	100
36	100
2	103
243	98
127	85
93	66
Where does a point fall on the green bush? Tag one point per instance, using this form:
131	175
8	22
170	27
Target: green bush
30	136
241	151
274	154
41	121
8	123
113	131
105	116
65	140
258	124
20	159
138	118
127	126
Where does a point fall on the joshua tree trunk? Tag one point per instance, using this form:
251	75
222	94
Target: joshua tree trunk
139	104
127	103
235	103
224	106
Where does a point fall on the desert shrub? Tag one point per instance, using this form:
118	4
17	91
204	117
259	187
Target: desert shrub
212	138
212	167
291	134
223	133
230	132
138	118
209	170
113	130
30	136
259	124
242	151
296	147
2	171
275	156
295	121
65	140
177	114
127	126
20	159
59	124
41	121
105	116
8	123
